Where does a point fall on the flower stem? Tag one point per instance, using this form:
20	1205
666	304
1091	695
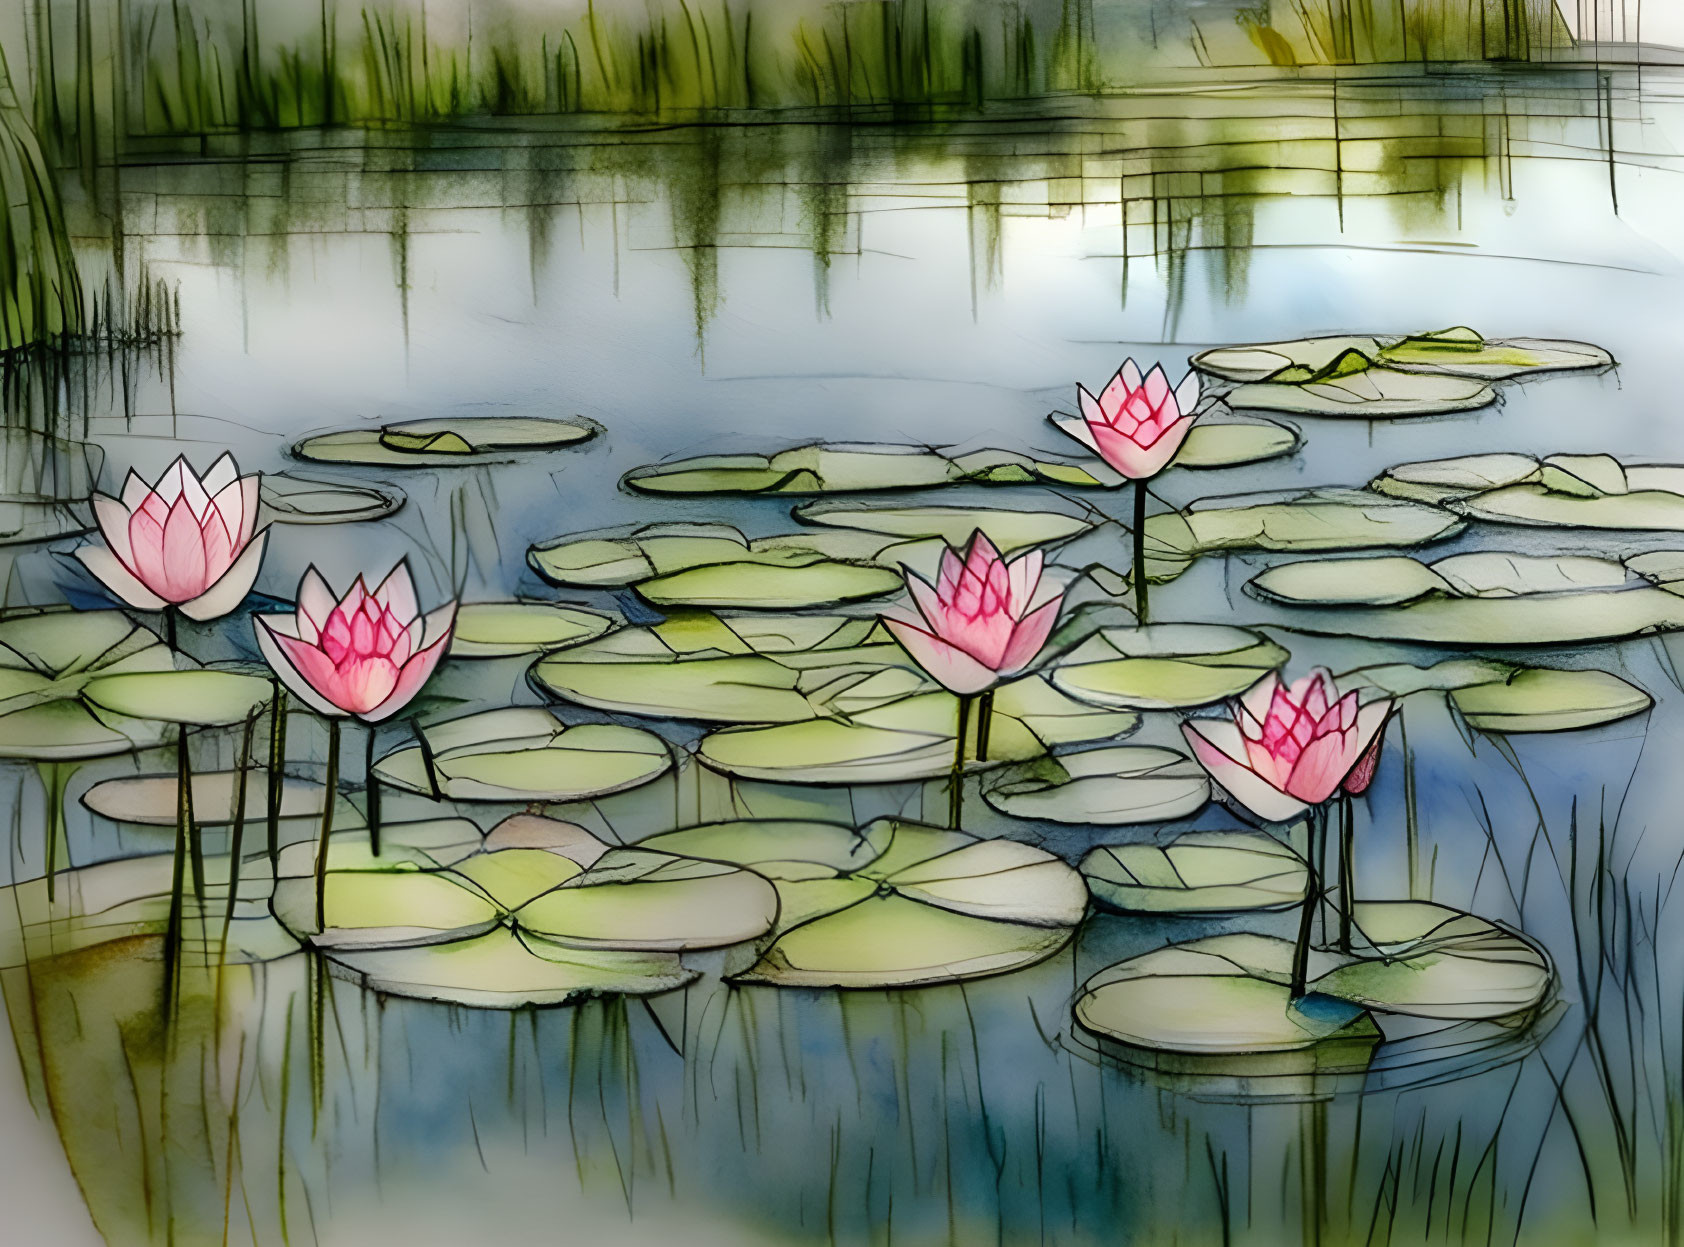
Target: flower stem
1139	569
195	846
328	797
371	793
956	785
178	871
277	766
237	838
1312	901
1347	870
984	721
53	782
169	626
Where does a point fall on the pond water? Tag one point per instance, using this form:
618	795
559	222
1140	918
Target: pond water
703	290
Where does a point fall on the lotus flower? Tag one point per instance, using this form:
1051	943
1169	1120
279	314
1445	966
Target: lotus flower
187	541
365	654
983	620
1289	747
1135	425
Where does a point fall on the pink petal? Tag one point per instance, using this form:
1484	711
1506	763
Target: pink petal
183	554
411	677
949	666
1025	578
272	634
119	579
1077	426
1322	766
1029	636
113	519
397	593
1128	458
228	592
1156	387
1211	740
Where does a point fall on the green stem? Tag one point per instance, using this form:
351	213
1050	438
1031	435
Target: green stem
1312	901
1139	570
277	768
984	722
427	761
178	871
371	794
1347	869
236	843
195	846
956	784
53	783
169	626
1411	829
332	791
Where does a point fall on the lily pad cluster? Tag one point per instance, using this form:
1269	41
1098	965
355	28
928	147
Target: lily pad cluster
540	912
1223	1002
822	468
1376	377
1483	598
1560	491
895	904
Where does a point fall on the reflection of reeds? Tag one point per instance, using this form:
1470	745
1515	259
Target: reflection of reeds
40	296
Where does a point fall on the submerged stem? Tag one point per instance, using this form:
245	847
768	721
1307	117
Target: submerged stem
277	766
1312	901
956	788
236	842
195	846
1347	869
332	790
53	783
984	722
178	870
371	793
1139	569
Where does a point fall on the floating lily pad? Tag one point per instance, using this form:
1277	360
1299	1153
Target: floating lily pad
1543	700
526	754
503	629
152	799
758	586
1201	872
1165	666
538	889
897	904
1228	994
1007	529
741	669
1104	787
292	499
1486	598
1653	501
841	468
199	697
1313	519
633	556
1440	480
503	969
910	738
1370	393
1456	352
444	442
1222	997
47	659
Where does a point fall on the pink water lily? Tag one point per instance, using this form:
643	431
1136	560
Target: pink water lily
983	620
365	654
186	541
1290	747
1137	424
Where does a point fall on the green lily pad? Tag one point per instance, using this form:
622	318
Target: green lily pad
1440	480
47	659
1226	998
1227	995
292	499
759	586
622	557
1657	506
1371	393
199	697
1543	700
1457	352
504	969
1286	522
526	754
1201	872
538	888
839	468
910	738
1103	787
444	442
1007	529
1485	598
897	904
151	799
739	669
1165	666
504	629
